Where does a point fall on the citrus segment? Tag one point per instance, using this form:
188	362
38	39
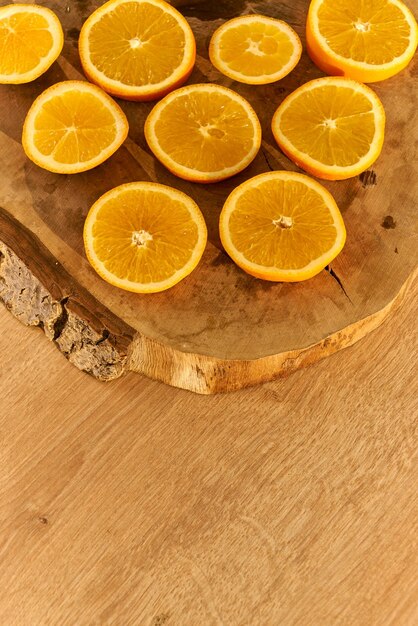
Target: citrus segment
281	226
72	127
255	49
144	237
366	41
31	39
137	49
203	133
332	127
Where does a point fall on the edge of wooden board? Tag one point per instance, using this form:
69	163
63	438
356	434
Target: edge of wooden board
38	291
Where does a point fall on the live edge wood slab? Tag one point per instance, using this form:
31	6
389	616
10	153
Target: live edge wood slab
219	329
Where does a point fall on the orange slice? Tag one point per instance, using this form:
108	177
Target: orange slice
72	127
203	133
332	127
137	49
281	226
368	41
31	39
255	49
144	237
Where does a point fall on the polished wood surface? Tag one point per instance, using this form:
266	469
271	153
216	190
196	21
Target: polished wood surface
131	503
220	329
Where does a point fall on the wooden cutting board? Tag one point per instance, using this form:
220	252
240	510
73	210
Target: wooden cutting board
219	329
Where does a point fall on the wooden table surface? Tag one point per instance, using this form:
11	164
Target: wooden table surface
133	503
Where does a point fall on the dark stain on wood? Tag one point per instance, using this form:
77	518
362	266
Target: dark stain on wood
388	222
221	259
73	33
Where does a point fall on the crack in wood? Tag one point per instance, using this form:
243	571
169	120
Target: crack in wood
2	279
334	275
105	335
368	178
272	169
62	319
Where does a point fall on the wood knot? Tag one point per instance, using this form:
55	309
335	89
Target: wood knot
159	620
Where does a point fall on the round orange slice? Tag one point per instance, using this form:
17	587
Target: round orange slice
137	49
368	41
331	127
281	226
31	39
72	127
255	49
203	133
144	237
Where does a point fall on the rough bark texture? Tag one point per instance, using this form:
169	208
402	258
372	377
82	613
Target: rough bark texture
39	292
24	295
27	299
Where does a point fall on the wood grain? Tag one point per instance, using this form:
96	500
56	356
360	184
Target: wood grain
220	329
136	504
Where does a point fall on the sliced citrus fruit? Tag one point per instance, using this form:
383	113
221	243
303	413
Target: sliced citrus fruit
31	39
332	127
137	49
367	41
281	226
144	237
255	49
204	133
72	127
